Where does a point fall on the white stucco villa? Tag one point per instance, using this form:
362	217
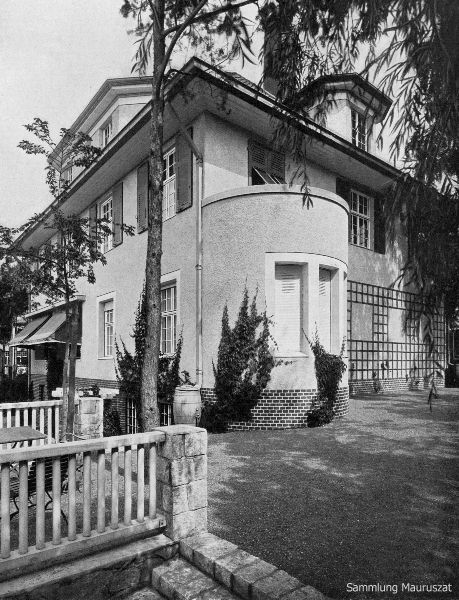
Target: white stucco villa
233	217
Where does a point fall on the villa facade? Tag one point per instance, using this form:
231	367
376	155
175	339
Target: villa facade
233	217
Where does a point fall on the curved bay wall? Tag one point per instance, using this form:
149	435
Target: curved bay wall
245	233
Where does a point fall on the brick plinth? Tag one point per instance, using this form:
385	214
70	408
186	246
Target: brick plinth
391	385
282	409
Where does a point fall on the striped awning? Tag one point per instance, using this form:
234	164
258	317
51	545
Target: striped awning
22	337
51	332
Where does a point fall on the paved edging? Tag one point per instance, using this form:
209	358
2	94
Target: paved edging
244	574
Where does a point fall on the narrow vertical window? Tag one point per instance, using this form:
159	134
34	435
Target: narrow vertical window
359	130
324	323
288	308
106	213
360	219
168	319
108	328
169	185
106	134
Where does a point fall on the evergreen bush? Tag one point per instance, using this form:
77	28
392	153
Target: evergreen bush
329	369
243	370
129	365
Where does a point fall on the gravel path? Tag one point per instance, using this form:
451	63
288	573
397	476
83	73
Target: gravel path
370	499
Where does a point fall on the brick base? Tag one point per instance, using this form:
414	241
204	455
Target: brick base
390	385
282	409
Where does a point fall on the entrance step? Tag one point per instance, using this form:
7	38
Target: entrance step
177	579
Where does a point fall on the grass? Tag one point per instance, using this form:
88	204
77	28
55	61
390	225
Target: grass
370	498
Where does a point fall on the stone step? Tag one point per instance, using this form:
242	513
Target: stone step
177	579
245	575
144	594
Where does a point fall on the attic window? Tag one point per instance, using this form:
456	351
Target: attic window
359	130
106	134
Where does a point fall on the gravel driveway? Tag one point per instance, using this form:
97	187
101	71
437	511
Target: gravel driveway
369	500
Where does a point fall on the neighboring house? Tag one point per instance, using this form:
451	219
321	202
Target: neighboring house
232	220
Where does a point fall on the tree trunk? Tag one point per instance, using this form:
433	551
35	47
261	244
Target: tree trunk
150	412
65	377
72	365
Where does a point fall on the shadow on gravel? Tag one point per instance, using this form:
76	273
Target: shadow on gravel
370	498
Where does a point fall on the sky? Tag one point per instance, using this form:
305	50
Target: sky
54	56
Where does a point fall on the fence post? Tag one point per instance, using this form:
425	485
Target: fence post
182	480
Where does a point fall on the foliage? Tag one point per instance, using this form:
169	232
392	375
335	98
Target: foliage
112	422
329	370
14	300
129	365
14	389
73	247
243	369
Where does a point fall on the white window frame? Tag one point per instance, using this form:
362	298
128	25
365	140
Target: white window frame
105	210
109	331
67	174
169	184
361	215
168	281
311	263
106	133
102	302
360	130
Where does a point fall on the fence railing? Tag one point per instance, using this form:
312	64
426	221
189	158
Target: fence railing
96	491
41	415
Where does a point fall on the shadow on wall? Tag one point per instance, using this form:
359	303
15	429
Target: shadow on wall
369	498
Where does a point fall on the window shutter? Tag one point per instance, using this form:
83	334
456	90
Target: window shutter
92	222
288	307
184	177
343	189
277	165
142	197
324	324
118	215
258	157
379	226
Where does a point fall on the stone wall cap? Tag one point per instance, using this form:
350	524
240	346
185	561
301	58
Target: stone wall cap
180	429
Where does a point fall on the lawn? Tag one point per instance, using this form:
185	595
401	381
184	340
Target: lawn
371	498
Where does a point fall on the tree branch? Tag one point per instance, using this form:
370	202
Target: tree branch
172	44
210	14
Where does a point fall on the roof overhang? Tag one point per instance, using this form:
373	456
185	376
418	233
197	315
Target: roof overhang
243	104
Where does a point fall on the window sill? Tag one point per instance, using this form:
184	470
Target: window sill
105	357
290	354
362	247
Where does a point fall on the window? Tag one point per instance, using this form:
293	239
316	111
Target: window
169	186
106	213
360	219
324	320
21	357
106	134
359	130
265	166
108	328
168	319
287	298
7	357
67	175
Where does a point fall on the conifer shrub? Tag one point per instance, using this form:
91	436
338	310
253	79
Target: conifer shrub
129	365
243	369
329	369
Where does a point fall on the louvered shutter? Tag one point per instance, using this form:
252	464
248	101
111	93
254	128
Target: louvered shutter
142	197
379	226
324	322
258	157
92	222
118	214
184	170
288	307
277	165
